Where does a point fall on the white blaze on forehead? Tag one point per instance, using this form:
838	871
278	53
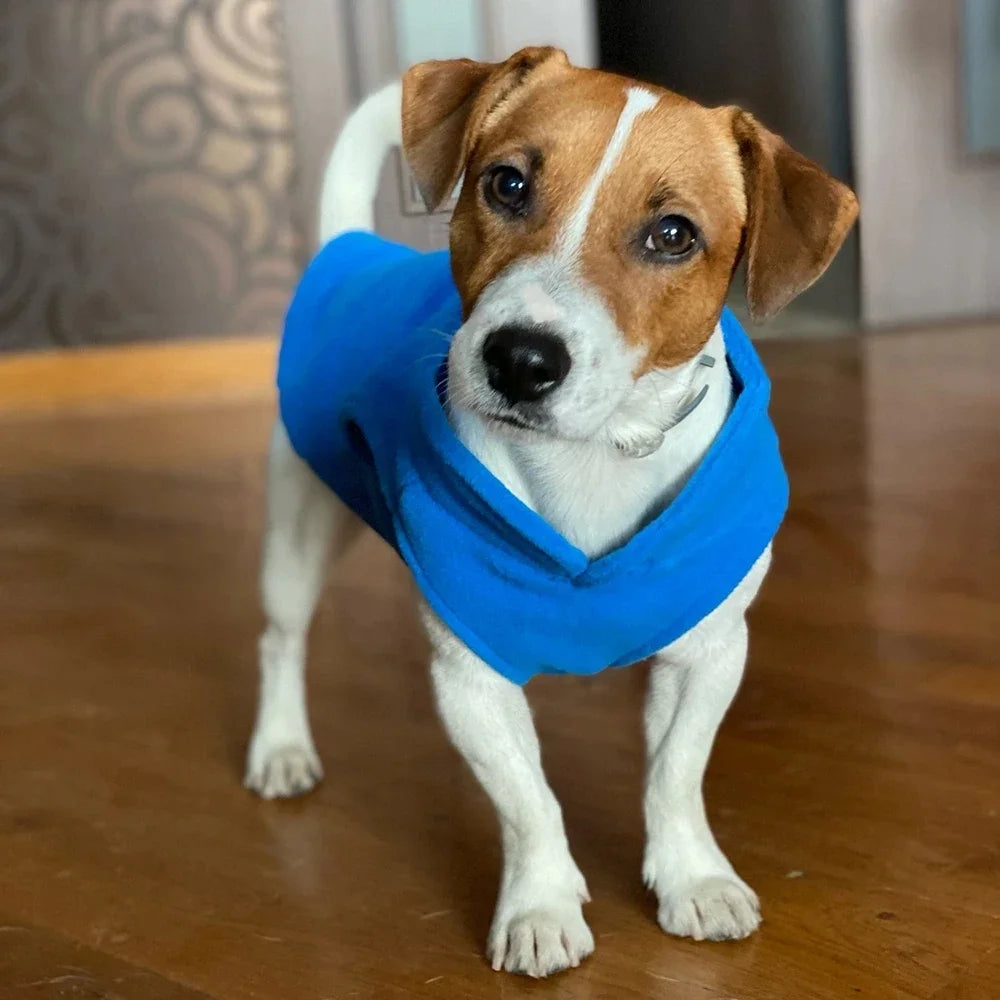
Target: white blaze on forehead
637	101
540	305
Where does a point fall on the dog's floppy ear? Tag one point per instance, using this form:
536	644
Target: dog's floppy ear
797	217
445	103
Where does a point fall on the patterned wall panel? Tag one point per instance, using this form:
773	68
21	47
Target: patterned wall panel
146	156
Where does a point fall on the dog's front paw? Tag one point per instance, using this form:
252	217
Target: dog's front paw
283	771
539	930
719	908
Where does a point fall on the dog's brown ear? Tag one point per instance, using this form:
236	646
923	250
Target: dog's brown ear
445	103
797	217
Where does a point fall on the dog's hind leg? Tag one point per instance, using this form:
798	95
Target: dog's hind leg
304	521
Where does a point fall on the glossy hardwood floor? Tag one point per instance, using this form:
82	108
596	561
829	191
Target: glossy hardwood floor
856	783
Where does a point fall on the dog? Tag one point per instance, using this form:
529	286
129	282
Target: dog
589	385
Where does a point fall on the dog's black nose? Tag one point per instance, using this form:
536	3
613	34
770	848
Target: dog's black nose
524	363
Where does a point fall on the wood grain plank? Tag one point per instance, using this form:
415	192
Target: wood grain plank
36	964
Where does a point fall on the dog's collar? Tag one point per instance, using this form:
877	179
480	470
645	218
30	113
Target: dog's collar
646	446
705	361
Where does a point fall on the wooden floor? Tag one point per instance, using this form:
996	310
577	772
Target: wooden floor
856	784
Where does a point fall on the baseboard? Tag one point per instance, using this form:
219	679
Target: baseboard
103	377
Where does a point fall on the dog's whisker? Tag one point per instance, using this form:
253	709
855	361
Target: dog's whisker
428	357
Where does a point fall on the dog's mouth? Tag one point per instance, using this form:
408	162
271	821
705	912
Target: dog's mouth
503	419
513	420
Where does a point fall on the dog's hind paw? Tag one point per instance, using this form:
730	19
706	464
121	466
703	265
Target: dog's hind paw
282	772
712	909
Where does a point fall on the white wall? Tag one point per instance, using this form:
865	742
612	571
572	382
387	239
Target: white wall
424	31
444	29
569	24
930	213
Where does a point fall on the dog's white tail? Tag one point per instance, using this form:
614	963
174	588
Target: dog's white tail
350	182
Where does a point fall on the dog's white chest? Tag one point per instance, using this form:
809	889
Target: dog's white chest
592	494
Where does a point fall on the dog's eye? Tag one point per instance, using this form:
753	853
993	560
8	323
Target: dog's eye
671	236
506	189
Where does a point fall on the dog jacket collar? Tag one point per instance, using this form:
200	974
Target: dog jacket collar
360	389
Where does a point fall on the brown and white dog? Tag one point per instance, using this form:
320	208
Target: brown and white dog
615	213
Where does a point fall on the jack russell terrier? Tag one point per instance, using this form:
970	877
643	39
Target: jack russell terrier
561	431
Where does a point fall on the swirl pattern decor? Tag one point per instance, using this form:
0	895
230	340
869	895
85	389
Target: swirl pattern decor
146	158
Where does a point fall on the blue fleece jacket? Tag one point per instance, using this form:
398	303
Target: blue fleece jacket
359	381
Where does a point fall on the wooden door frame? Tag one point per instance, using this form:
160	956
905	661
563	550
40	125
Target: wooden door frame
322	95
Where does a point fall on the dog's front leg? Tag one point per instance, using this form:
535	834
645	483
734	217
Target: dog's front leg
692	684
538	927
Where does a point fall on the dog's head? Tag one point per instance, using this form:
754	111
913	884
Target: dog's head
598	228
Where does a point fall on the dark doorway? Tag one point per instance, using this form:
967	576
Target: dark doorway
784	60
